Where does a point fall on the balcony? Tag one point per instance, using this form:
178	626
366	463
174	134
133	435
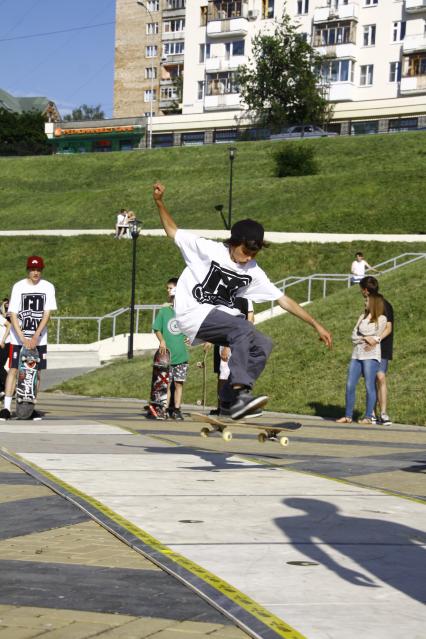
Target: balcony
413	85
414	43
225	63
173	35
222	102
342	12
174	9
232	27
415	6
341	92
344	50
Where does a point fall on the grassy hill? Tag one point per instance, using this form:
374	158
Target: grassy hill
92	274
301	375
365	184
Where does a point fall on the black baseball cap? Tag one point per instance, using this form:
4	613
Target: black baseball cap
248	232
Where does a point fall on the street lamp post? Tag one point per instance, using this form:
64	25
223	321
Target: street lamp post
142	4
232	152
135	229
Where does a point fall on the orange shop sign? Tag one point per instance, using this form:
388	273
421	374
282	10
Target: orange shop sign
101	129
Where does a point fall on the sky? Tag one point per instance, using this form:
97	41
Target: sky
71	68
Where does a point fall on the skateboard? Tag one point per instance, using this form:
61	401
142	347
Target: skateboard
269	430
26	387
159	383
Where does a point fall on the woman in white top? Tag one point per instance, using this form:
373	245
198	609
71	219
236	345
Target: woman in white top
366	357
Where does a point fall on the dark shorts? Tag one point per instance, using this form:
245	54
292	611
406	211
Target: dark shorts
383	366
14	356
178	372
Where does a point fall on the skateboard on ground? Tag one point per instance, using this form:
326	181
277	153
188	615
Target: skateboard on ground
26	387
269	430
156	409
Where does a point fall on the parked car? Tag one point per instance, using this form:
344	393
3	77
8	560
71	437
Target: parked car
309	131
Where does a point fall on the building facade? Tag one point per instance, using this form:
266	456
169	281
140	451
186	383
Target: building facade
375	72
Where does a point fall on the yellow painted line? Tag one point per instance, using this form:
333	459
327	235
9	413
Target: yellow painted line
277	625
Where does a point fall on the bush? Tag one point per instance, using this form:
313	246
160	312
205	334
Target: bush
295	159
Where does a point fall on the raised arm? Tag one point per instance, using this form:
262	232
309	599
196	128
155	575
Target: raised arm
167	221
289	305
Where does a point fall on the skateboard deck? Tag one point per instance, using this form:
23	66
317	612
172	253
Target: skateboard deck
269	430
159	383
26	387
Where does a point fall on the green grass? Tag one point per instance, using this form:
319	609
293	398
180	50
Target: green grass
371	184
92	274
301	375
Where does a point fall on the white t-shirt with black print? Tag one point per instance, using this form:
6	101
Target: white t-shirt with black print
212	280
29	301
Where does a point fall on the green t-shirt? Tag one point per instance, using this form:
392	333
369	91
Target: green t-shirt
165	322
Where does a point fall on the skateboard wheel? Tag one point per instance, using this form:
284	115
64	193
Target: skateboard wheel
205	432
261	438
226	435
284	441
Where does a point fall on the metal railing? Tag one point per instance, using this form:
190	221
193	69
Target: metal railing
112	317
308	281
384	267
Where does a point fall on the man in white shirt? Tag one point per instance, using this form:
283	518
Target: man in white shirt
358	267
215	274
31	302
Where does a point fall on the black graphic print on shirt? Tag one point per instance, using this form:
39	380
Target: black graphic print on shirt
220	286
31	313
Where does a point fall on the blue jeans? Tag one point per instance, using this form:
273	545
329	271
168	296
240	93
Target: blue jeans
368	368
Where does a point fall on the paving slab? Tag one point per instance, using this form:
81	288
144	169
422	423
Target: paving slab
307	555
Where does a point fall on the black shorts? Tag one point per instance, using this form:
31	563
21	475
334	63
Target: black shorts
15	349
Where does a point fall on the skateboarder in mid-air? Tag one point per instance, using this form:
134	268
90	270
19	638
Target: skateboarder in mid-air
215	274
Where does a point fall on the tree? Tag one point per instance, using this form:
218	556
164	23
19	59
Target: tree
23	133
280	84
85	112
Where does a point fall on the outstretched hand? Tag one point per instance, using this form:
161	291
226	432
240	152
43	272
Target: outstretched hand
325	336
158	191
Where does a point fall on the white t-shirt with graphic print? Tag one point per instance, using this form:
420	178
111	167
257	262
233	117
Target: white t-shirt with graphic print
212	280
29	301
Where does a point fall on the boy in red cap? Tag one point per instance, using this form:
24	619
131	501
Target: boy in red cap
30	304
216	273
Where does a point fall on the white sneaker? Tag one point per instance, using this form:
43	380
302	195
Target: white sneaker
384	418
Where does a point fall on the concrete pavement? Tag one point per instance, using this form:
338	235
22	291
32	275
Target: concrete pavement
263	533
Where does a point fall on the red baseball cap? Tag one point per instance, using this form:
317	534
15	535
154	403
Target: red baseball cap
34	261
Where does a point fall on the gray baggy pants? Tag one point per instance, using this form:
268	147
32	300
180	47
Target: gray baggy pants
250	349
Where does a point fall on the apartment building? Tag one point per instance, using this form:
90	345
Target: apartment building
375	72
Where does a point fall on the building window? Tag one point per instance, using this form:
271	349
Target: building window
174	26
234	48
200	91
150	73
204	52
168	93
394	72
365	128
403	124
173	48
174	4
302	7
221	83
366	75
371	3
153	5
151	28
415	65
398	31
192	138
337	71
203	16
151	51
267	9
369	37
335	33
147	95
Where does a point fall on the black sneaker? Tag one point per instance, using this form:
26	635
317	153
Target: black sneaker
246	403
177	414
36	416
4	414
